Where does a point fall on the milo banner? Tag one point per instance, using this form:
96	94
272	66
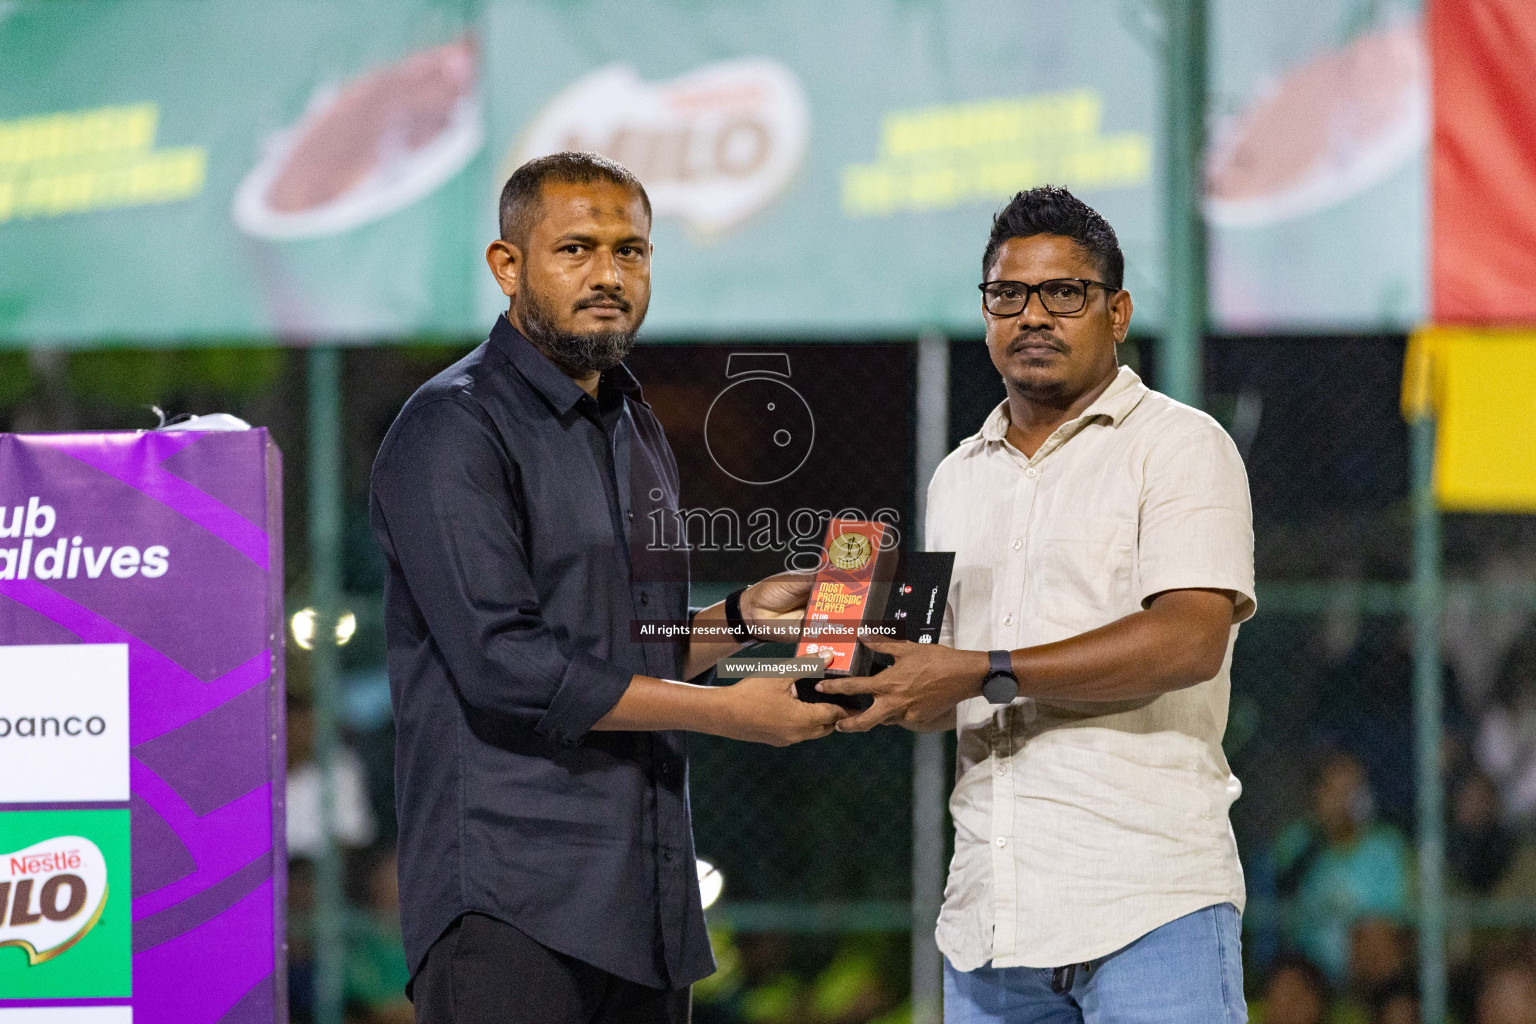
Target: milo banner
209	171
142	863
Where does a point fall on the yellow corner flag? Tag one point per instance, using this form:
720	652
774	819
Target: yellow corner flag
1480	384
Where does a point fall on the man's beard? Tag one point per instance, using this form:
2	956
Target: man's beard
592	352
1046	391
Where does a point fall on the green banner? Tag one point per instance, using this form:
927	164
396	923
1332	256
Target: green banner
206	171
1317	193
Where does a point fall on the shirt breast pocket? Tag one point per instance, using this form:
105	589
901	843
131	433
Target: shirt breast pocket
1086	565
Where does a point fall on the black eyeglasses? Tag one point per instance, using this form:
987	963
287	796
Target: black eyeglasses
1062	296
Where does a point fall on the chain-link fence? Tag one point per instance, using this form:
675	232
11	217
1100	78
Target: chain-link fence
1322	729
814	842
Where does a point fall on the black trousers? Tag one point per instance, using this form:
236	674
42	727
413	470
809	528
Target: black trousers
484	971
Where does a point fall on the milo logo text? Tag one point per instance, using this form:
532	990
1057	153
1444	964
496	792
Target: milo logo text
51	895
713	146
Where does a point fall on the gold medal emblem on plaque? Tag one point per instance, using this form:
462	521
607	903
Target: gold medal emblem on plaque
849	551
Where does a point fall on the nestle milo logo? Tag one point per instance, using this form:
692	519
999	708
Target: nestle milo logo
713	146
51	895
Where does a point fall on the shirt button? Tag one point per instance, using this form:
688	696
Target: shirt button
1002	841
1031	472
666	854
1018	543
1007	620
1002	769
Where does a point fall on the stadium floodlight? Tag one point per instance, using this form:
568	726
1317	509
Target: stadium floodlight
711	882
303	625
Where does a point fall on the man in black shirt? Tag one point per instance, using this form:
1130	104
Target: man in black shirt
546	856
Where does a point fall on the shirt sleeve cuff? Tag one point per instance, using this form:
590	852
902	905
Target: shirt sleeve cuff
588	691
1246	603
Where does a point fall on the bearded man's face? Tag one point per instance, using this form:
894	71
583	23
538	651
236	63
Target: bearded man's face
585	283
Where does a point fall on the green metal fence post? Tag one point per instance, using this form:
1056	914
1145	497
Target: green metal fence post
1427	680
930	786
325	513
1179	368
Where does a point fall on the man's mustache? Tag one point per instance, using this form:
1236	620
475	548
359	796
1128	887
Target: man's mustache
605	302
1036	337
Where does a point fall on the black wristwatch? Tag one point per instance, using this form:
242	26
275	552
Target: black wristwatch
1001	686
733	619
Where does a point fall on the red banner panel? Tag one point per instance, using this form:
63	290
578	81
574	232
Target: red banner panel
1484	234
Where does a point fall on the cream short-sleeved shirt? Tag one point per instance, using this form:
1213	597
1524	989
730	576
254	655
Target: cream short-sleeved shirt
1081	826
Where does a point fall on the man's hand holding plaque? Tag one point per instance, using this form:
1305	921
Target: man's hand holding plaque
922	687
774	606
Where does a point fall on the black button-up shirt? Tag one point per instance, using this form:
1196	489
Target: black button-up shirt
503	497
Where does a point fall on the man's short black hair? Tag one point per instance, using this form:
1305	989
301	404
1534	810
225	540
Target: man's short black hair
523	192
1052	210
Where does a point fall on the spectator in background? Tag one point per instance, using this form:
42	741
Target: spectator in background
1378	959
1506	737
1382	982
1339	865
1507	995
1479	848
1369	711
1296	992
354	826
1398	1003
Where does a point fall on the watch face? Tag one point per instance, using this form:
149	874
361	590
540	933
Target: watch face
849	551
1000	689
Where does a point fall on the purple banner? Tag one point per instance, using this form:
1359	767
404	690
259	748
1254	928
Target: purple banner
142	865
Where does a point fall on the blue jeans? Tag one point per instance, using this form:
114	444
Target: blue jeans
1189	971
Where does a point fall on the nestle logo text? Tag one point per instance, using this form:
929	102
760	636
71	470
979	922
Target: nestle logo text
39	863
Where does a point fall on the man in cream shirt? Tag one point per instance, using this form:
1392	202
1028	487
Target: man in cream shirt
1104	557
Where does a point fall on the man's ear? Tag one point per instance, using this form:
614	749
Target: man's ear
506	263
1120	310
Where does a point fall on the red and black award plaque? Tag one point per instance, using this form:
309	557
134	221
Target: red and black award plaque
849	593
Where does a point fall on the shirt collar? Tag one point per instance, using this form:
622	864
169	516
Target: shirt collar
558	389
1124	393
